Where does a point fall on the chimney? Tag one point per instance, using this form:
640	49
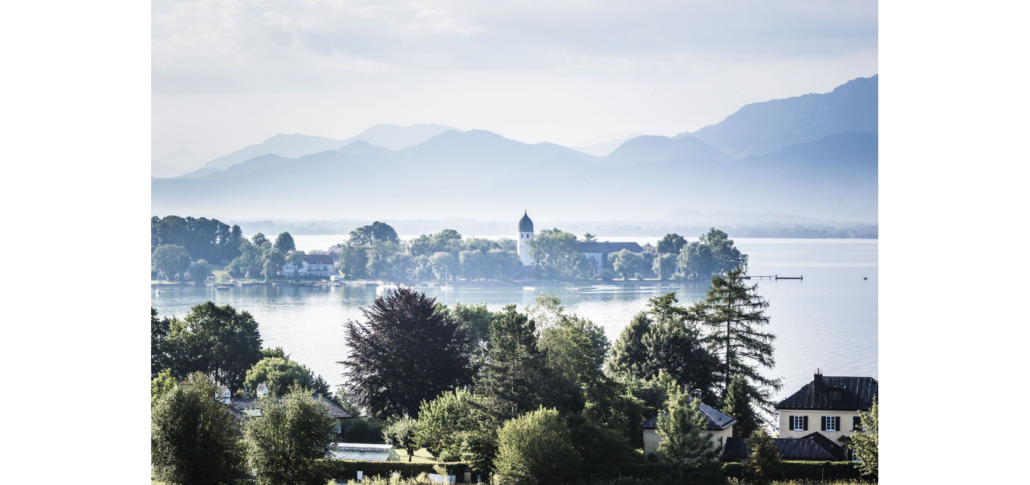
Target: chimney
818	380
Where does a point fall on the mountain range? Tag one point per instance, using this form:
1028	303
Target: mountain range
812	157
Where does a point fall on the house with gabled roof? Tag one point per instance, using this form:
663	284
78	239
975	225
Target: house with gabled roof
829	406
247	407
720	428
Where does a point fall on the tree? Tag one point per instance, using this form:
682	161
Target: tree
405	352
764	460
160	385
671	244
535	447
557	252
200	271
713	254
284	243
474	319
866	444
194	439
626	263
215	340
279	374
735	313
273	264
514	369
665	266
259	239
589	237
171	260
353	260
287	443
377	231
159	329
737	403
684	430
666	337
401	434
443	264
447	424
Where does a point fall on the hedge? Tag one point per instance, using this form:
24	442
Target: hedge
789	470
343	470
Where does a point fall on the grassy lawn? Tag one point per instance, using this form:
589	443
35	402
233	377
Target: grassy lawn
421	456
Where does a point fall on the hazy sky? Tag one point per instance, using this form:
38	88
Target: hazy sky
228	73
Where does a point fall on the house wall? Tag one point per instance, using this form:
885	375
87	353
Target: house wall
815	419
652	438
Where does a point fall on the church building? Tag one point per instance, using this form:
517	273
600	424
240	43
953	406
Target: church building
596	252
525	234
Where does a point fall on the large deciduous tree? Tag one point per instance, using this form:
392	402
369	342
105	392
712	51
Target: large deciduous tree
713	254
200	271
557	253
284	243
735	314
377	231
194	439
535	448
671	244
288	443
159	329
215	340
405	352
171	260
665	266
279	374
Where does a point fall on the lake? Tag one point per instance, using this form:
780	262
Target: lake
826	321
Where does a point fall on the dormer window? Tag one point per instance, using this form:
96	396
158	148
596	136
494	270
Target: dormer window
836	395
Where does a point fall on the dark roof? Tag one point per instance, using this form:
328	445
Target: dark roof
242	405
525	224
812	447
717	421
608	247
856	393
318	259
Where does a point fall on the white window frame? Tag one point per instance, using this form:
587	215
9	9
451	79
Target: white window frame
797	423
833	423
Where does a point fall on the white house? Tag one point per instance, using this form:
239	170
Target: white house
313	266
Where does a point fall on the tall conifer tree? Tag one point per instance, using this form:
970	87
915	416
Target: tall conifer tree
514	372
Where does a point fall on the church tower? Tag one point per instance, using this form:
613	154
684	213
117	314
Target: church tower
525	234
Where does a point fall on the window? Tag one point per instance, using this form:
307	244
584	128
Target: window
831	423
835	395
856	424
797	423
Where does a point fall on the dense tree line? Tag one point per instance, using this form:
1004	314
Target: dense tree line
208	239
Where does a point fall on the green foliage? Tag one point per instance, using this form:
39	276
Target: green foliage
194	439
445	424
764	460
361	430
665	266
273	264
405	352
343	470
866	444
284	243
589	237
713	254
215	340
627	263
512	376
353	260
401	434
557	253
734	313
798	470
159	329
202	238
279	374
671	244
170	260
474	319
686	443
737	403
444	265
287	444
160	385
377	231
200	271
666	337
535	448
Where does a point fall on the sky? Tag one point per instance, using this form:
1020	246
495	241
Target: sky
230	73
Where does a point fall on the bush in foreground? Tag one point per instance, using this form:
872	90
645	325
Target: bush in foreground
535	448
287	444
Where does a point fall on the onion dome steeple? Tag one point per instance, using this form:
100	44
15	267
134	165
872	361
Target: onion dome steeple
525	224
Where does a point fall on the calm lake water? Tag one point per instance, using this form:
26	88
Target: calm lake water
826	321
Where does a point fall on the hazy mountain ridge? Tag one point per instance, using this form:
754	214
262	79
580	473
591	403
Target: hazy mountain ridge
479	174
760	128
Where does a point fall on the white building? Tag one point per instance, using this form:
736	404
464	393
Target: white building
313	266
525	234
